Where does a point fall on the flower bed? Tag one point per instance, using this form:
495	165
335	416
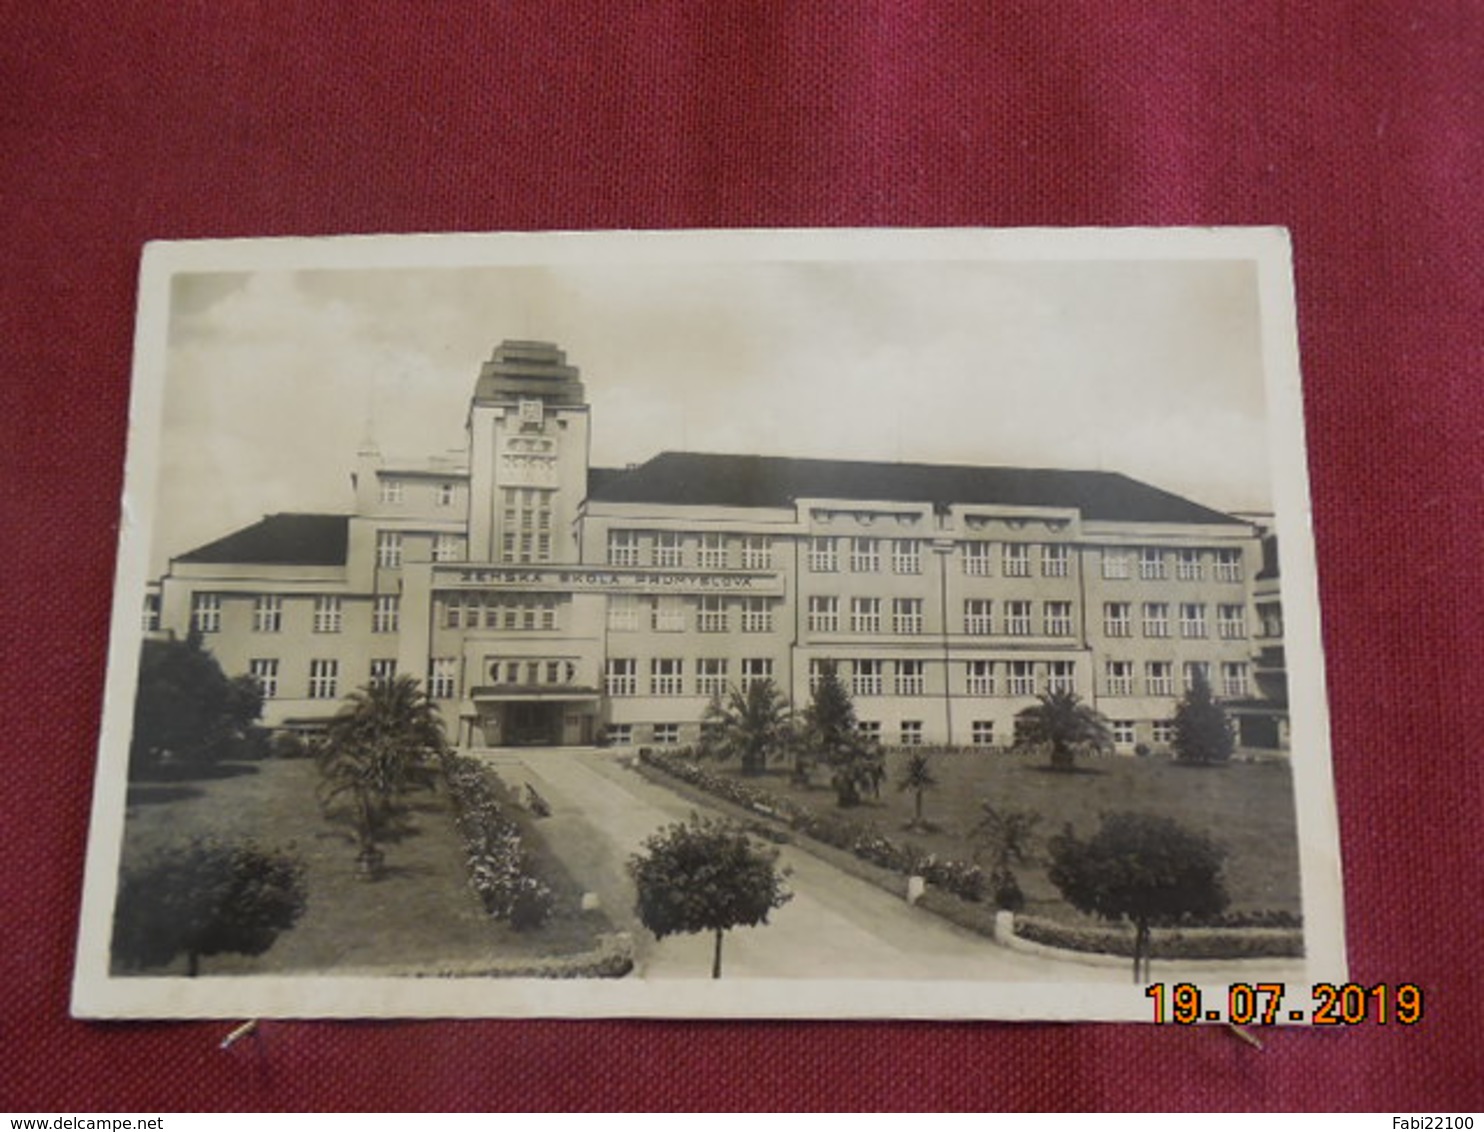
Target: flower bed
499	869
962	878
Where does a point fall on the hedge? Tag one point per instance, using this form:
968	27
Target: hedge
1167	943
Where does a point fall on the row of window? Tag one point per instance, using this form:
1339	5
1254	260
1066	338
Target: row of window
1159	677
392	491
267	613
324	676
446	548
904	556
492	611
910	732
1154	619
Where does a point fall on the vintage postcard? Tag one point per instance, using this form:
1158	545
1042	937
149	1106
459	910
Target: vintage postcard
833	624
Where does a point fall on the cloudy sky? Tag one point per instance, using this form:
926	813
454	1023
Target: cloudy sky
1149	368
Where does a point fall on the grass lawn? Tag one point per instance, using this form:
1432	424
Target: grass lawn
421	913
1246	808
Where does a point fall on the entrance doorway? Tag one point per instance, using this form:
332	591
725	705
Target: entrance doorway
532	724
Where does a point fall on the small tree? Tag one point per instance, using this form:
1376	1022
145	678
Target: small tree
385	742
831	732
186	709
1203	730
705	875
752	726
1140	868
206	898
917	776
1065	726
1006	838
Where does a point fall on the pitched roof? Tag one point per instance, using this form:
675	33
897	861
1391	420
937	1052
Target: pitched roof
708	480
280	540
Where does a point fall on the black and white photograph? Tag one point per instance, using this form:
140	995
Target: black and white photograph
913	624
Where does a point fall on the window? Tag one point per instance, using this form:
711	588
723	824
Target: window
816	673
977	617
621	677
712	614
666	676
454	612
1054	561
1270	613
981	733
976	559
1123	732
1119	676
865	555
1116	618
823	558
669	550
384	613
391	490
1156	619
206	613
1018	618
1164	731
1228	565
757	552
1016	560
906	556
1061	676
326	614
149	619
389	549
324	675
1057	618
711	676
666	734
865	615
443	674
756	669
911	678
906	615
265	672
623	548
981	678
267	613
1231	622
1022	678
713	551
623	613
757	615
1193	668
1192	619
448	548
620	734
668	615
1115	564
869	730
1188	565
1234	679
824	615
911	732
1159	678
445	495
866	678
547	610
383	672
1152	564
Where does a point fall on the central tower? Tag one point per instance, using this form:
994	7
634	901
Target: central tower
528	453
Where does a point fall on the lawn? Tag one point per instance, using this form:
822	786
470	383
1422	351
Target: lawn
1246	808
421	914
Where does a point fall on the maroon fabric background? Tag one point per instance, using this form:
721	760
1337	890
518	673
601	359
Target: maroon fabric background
1358	125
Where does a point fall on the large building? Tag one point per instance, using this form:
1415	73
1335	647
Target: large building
546	601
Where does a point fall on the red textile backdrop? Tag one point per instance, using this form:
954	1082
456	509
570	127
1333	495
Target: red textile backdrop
1356	125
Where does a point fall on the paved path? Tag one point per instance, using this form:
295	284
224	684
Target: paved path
836	926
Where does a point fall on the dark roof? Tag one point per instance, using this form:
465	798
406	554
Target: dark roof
281	540
707	480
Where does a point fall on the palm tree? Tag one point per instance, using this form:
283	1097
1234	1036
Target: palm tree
917	776
383	743
753	725
1062	723
1006	837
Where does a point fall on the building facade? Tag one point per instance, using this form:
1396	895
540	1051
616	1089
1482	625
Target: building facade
546	601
